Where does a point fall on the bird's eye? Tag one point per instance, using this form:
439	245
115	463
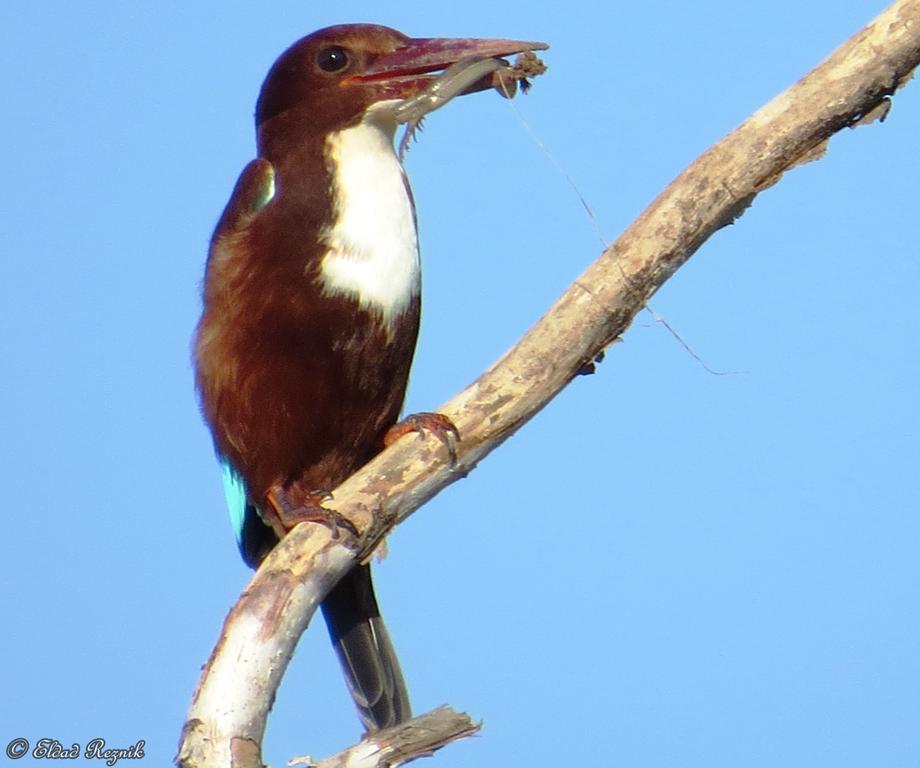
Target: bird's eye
332	59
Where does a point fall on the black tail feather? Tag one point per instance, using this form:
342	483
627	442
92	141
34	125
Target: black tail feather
365	652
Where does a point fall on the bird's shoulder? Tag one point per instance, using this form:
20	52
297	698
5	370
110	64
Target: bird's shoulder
254	190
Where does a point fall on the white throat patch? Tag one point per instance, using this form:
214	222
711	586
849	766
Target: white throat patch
373	245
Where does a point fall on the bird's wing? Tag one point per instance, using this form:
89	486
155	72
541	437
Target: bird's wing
254	189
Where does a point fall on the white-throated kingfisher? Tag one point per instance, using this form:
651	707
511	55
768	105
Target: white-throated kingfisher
311	306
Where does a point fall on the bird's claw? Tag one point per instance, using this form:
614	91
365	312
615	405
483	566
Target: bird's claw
307	507
436	423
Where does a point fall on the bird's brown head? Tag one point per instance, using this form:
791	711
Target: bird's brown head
329	79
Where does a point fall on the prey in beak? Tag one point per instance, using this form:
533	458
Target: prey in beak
427	73
415	65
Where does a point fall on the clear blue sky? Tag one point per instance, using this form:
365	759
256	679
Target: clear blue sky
665	568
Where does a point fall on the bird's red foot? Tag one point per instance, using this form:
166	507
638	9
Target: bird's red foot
436	423
292	505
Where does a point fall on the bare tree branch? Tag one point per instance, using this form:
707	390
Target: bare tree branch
421	736
228	713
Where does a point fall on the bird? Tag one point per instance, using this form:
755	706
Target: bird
311	305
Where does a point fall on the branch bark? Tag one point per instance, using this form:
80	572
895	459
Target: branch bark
421	736
227	717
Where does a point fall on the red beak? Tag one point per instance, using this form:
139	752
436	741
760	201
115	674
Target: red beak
410	68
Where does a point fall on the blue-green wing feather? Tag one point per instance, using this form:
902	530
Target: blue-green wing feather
253	536
237	501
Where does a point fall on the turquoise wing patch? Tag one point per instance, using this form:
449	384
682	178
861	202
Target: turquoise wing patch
235	493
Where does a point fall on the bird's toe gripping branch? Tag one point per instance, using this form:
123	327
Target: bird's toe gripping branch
291	506
436	423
